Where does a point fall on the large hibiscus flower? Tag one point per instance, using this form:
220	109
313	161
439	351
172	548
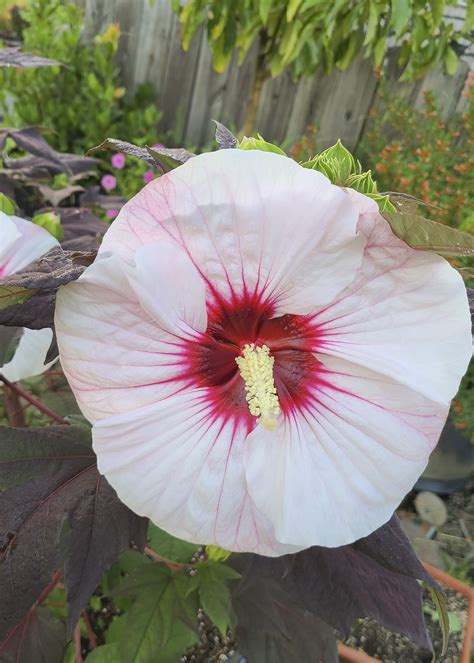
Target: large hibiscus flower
267	367
21	243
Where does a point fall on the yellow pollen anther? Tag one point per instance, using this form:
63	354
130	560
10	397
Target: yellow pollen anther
256	369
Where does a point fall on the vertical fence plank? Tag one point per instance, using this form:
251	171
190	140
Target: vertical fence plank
189	93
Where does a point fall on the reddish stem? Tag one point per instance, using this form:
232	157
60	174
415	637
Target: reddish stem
90	631
77	644
174	566
31	399
13	407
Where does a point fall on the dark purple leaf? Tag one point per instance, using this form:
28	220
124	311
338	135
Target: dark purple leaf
271	628
14	57
39	638
9	339
114	145
94	198
45	161
374	577
56	196
56	509
158	157
42	278
224	138
83	231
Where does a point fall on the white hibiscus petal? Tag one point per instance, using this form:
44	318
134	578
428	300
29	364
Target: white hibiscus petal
115	355
21	243
405	315
336	472
29	356
181	467
169	287
250	220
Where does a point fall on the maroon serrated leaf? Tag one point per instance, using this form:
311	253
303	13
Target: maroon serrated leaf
271	628
39	638
14	57
43	277
83	231
375	577
224	137
45	161
50	485
94	198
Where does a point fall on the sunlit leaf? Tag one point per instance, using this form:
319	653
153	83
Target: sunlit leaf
421	233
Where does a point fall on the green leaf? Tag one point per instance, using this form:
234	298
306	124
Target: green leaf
440	604
259	143
105	654
10	296
264	7
291	9
428	235
372	23
50	222
217	554
401	12
379	51
169	546
160	623
7	206
450	61
437	10
211	581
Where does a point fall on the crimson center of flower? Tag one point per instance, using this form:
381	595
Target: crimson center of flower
243	336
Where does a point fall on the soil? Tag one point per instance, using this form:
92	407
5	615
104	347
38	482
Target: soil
390	647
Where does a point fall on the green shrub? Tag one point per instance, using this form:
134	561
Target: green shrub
81	102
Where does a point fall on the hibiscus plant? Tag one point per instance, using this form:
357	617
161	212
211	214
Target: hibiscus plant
263	353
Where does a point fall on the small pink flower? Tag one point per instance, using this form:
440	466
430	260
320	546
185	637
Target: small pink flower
148	176
158	146
118	161
108	182
112	213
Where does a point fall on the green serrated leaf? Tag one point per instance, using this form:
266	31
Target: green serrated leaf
7	206
428	235
169	546
440	604
162	616
211	581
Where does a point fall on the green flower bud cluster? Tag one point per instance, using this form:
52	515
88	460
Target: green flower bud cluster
341	168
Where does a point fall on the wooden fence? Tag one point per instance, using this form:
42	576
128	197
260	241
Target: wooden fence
189	93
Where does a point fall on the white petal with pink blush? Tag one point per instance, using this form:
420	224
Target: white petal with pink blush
266	366
21	243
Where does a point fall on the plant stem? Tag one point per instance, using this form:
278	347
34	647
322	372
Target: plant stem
13	407
174	566
77	644
49	588
90	631
31	399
